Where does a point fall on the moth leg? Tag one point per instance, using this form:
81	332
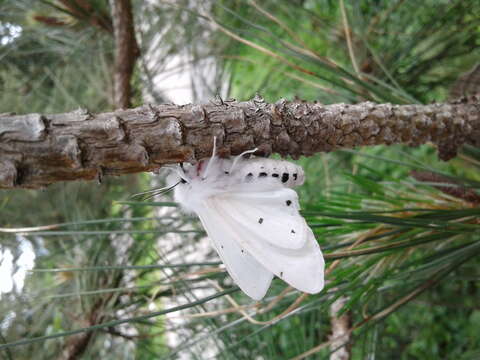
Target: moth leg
238	157
210	161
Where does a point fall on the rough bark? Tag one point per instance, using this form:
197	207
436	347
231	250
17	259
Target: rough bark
126	51
36	150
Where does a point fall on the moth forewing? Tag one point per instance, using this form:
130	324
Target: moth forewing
301	267
252	277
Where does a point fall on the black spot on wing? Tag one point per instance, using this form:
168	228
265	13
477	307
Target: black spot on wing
275	175
289	202
260	220
262	174
285	177
295	176
292	231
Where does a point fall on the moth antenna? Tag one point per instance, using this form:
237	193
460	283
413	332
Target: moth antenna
214	152
161	191
235	160
155	190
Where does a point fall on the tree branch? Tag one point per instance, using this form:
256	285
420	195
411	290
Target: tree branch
37	150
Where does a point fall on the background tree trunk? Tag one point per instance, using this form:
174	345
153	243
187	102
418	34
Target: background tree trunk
37	150
126	51
340	337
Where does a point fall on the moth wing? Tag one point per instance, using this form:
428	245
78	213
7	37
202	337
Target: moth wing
252	277
274	209
301	265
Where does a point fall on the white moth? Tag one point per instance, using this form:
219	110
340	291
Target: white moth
251	214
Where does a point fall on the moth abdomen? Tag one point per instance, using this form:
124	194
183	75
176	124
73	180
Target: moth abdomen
257	169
